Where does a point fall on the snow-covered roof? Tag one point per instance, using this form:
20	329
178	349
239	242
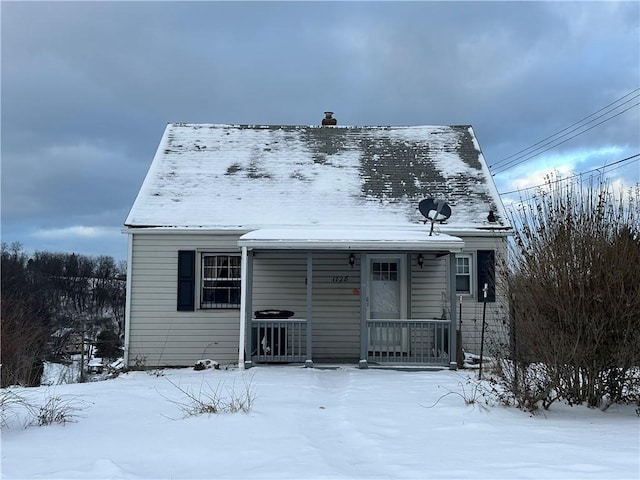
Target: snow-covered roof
239	177
350	238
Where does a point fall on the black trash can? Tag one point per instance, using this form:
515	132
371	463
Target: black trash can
271	339
272	314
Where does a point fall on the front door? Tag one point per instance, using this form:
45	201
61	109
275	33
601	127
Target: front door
387	303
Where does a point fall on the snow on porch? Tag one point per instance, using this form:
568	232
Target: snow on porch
350	239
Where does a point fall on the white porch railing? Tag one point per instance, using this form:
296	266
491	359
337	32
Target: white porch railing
281	340
420	342
400	342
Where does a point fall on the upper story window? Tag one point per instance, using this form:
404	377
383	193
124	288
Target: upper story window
463	274
220	281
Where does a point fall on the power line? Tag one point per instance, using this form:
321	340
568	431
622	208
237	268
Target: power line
569	129
517	161
575	175
498	163
632	157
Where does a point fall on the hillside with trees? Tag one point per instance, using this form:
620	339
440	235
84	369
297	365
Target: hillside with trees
55	305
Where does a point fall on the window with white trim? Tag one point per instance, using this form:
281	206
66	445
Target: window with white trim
220	281
463	274
384	271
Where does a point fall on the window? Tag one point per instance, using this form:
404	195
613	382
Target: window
463	274
384	271
220	285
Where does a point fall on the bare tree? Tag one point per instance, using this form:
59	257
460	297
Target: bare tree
26	315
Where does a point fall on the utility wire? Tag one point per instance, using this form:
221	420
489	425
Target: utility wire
632	157
506	166
570	129
517	161
567	128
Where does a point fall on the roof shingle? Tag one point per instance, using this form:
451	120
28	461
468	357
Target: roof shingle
246	177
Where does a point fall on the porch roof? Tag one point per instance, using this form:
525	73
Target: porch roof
340	238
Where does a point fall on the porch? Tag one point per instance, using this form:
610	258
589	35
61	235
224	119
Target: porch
349	302
389	342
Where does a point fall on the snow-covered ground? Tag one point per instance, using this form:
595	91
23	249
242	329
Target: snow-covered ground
313	423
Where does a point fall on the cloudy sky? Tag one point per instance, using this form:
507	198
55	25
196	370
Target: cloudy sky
87	89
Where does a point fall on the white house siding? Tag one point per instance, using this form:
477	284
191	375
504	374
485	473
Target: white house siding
429	287
336	307
159	335
279	282
497	311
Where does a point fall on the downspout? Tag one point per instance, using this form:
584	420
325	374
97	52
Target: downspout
127	308
243	306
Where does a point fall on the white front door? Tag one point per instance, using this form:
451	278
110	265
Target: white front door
387	301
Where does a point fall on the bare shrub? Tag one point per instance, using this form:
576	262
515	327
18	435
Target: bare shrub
529	386
13	407
221	399
59	410
54	409
574	297
472	392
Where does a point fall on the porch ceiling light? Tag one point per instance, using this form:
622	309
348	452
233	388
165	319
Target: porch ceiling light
352	260
420	260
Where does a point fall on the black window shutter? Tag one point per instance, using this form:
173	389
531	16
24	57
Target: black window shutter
186	280
487	274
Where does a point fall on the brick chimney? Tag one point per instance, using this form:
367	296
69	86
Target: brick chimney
328	120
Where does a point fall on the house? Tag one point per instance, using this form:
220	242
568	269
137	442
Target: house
65	341
261	244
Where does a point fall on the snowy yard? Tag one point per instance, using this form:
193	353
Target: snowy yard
312	423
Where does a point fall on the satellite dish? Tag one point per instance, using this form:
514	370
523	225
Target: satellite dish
434	211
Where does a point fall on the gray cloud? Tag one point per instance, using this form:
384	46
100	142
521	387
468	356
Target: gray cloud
87	87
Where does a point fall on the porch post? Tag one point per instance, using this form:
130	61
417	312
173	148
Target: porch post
364	302
249	310
453	362
243	307
309	362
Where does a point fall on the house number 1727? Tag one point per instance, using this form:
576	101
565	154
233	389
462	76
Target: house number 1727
340	279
